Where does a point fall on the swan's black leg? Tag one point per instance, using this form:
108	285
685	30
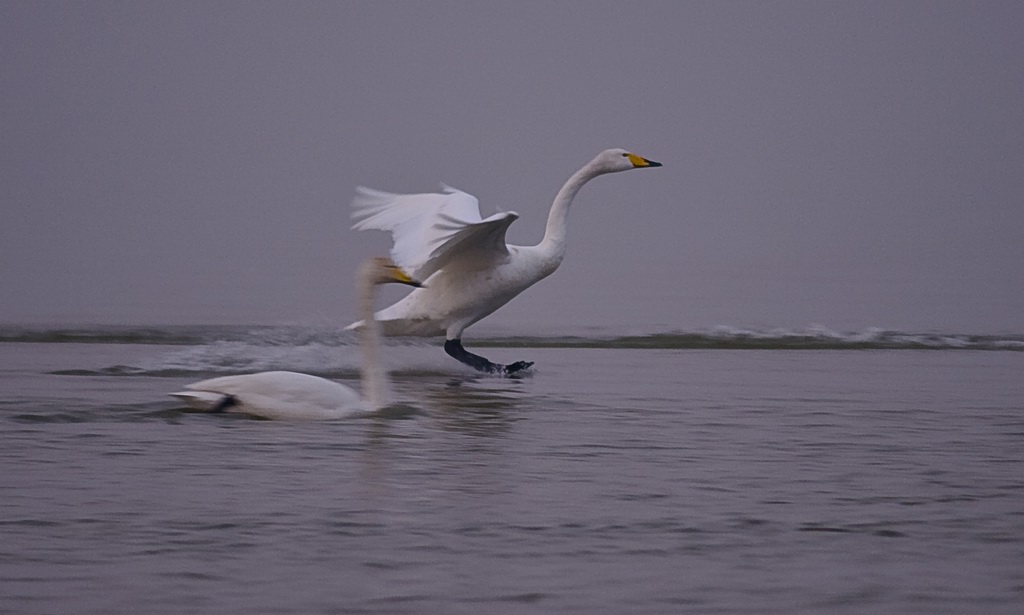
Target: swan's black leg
225	403
455	350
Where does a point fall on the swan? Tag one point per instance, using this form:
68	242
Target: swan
468	268
291	395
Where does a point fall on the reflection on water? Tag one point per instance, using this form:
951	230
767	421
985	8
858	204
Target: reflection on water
475	406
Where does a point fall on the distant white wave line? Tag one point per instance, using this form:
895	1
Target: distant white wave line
867	336
871	334
240	343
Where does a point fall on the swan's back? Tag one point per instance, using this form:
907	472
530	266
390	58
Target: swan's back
278	395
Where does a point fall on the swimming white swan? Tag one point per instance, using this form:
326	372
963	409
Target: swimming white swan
290	395
468	268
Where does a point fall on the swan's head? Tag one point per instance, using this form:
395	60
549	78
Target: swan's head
382	270
617	159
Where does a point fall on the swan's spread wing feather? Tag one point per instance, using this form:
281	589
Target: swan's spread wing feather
431	230
480	243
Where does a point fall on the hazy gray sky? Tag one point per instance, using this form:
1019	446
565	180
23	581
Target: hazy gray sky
851	164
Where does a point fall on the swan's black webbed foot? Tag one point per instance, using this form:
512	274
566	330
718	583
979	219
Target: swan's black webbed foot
518	366
455	350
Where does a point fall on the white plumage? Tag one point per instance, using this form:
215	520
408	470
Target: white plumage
469	269
291	395
276	395
430	230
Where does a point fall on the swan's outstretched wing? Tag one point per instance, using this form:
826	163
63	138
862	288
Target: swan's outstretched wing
433	230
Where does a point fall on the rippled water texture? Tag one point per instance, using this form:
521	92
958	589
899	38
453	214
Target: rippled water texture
612	480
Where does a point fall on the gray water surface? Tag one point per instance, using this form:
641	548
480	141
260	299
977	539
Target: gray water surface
612	480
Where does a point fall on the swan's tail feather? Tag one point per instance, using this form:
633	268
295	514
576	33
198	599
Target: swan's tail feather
206	401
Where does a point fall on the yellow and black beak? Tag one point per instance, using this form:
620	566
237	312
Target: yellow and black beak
639	163
400	276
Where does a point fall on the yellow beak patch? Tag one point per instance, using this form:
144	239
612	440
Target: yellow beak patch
637	160
400	276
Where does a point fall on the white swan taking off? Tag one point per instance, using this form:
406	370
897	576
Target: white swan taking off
469	269
290	395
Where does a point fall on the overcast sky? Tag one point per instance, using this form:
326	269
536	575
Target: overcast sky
849	164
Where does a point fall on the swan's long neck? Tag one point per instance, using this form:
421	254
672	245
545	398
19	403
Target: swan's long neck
376	389
555	234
